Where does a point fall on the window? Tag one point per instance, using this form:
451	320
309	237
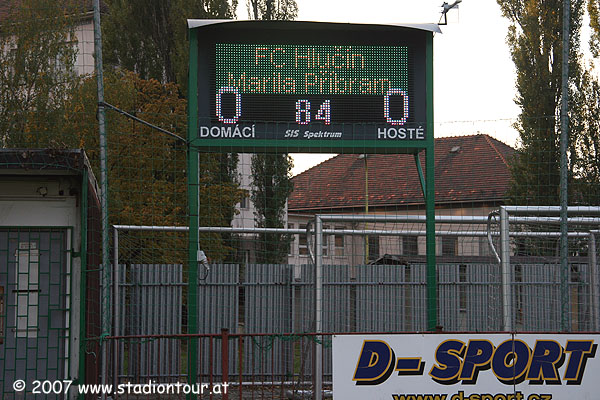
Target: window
449	245
27	290
410	245
245	202
373	247
484	247
338	240
292	244
302	243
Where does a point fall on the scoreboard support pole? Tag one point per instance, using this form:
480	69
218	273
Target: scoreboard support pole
432	306
193	212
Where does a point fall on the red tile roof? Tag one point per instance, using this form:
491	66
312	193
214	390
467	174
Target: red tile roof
472	169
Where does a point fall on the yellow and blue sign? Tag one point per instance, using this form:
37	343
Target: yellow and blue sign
466	367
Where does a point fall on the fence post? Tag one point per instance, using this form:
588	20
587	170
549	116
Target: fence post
116	305
193	221
506	273
318	369
225	359
593	265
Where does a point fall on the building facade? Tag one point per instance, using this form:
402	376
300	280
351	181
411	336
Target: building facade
472	176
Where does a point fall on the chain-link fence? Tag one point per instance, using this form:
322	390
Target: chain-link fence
283	262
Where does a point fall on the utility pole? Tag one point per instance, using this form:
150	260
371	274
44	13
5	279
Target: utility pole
564	198
103	190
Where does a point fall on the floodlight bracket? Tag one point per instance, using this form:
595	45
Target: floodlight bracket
445	8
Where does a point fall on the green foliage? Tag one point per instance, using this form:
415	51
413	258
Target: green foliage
146	168
585	153
37	70
150	37
283	10
535	40
271	173
272	185
594	14
219	192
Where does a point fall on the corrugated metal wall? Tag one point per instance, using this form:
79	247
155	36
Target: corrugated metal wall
469	297
151	304
278	299
218	308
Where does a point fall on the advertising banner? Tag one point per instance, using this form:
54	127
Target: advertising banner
466	367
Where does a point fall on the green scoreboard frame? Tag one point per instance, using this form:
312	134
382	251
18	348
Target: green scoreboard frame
310	87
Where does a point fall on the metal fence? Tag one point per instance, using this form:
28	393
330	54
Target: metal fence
271	306
151	303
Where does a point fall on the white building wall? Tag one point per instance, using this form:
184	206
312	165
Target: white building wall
84	64
245	216
354	249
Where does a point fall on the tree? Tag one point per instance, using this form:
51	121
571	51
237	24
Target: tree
594	14
585	162
284	10
37	70
535	40
150	37
271	173
147	169
155	46
271	187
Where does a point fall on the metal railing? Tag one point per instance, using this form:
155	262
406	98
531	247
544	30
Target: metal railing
470	299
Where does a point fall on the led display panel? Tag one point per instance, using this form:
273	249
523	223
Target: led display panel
320	83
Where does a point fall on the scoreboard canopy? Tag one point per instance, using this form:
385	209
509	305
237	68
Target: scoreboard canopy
311	86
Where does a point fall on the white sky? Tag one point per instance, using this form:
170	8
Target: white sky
474	81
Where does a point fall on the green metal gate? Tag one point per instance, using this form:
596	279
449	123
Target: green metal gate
35	285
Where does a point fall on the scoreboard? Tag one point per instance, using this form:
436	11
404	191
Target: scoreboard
304	86
311	87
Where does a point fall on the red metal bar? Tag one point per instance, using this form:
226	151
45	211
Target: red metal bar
225	359
308	334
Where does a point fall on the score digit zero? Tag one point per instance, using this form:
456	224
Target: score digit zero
302	112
